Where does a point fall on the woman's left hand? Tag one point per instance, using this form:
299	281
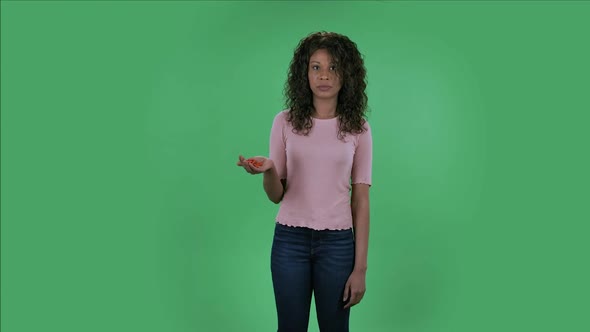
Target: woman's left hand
355	288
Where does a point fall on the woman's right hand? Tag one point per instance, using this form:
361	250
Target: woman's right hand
255	165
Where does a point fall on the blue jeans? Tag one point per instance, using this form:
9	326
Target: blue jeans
305	260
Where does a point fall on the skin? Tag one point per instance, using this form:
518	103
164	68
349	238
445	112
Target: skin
321	71
355	287
273	186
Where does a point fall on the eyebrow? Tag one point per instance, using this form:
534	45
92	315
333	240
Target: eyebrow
332	63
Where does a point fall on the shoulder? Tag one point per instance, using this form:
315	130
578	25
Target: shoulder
365	136
281	117
366	125
366	128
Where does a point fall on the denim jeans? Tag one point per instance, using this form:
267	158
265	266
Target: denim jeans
305	260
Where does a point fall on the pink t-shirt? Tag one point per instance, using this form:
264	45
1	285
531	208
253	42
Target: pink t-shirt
320	170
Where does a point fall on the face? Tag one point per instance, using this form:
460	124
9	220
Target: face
323	75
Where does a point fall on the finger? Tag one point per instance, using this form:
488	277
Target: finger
360	297
251	168
346	292
244	164
255	161
257	164
254	165
247	168
352	302
356	297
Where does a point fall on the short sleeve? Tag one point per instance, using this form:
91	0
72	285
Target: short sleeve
363	157
277	147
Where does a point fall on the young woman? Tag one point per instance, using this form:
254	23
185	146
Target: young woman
319	170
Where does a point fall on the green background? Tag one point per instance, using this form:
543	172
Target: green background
123	209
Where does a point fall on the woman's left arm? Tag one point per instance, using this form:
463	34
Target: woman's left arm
360	219
355	287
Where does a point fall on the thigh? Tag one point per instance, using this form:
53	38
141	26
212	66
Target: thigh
333	264
291	276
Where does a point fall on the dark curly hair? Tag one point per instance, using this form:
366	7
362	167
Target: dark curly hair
352	100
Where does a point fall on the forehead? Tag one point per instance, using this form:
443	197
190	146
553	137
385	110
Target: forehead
320	55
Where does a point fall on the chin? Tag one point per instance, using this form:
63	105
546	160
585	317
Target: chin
326	94
326	97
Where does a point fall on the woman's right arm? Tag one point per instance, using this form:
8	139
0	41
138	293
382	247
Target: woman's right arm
273	186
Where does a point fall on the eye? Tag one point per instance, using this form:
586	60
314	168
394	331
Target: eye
315	67
333	68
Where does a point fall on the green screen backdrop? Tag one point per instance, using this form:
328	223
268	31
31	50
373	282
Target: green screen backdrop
123	209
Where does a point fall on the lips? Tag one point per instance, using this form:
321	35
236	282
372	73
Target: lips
324	87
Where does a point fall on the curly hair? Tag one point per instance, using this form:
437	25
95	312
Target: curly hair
352	100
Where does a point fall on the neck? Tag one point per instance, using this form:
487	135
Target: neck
324	108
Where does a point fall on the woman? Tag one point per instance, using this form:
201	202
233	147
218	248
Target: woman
320	151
